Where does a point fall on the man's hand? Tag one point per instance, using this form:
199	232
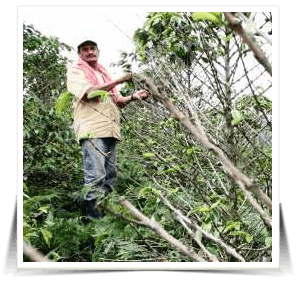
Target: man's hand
141	95
125	78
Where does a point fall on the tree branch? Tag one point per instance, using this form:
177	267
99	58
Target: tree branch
197	130
160	231
183	220
33	254
258	52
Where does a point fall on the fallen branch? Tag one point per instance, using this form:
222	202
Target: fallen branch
160	231
185	220
33	254
131	222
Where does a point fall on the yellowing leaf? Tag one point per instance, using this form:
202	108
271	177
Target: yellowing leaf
215	17
148	154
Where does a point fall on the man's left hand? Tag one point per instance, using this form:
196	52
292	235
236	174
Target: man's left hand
141	95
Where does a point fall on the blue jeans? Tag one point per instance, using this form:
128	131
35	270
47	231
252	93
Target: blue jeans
99	166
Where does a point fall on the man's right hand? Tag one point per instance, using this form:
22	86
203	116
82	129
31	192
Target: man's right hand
125	78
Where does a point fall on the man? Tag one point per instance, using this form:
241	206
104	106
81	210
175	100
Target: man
96	122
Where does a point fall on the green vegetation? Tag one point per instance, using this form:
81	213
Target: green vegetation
162	167
64	104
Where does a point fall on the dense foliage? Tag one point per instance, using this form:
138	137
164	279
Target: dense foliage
158	158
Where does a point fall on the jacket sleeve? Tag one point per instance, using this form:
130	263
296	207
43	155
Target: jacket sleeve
77	83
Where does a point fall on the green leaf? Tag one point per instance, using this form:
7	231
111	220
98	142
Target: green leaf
47	235
148	191
206	226
102	94
226	38
171	170
54	256
249	238
172	191
232	225
205	209
44	209
100	238
201	209
63	102
214	249
215	204
268	241
85	190
25	188
148	154
215	17
236	117
191	150
86	135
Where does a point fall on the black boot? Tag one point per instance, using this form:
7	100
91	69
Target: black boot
91	210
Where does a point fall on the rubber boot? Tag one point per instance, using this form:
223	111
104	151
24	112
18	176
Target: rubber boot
91	210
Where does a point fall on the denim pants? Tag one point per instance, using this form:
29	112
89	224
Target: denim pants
99	166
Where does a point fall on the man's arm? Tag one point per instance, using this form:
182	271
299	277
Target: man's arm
139	95
108	86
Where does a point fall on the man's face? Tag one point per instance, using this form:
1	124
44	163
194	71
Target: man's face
89	52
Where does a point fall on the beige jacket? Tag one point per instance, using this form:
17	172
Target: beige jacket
92	119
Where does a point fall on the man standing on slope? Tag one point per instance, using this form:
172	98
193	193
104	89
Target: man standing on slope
96	121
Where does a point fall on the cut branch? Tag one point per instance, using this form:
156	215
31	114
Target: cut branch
33	254
160	231
185	220
197	130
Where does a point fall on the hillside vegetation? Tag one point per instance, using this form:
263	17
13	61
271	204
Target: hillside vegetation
195	160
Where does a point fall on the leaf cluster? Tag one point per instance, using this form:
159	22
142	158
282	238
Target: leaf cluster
44	66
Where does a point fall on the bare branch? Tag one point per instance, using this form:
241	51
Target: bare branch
198	131
160	231
33	254
183	220
257	30
258	52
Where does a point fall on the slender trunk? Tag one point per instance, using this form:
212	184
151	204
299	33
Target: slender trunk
228	102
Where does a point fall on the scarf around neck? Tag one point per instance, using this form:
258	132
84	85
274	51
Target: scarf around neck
92	77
